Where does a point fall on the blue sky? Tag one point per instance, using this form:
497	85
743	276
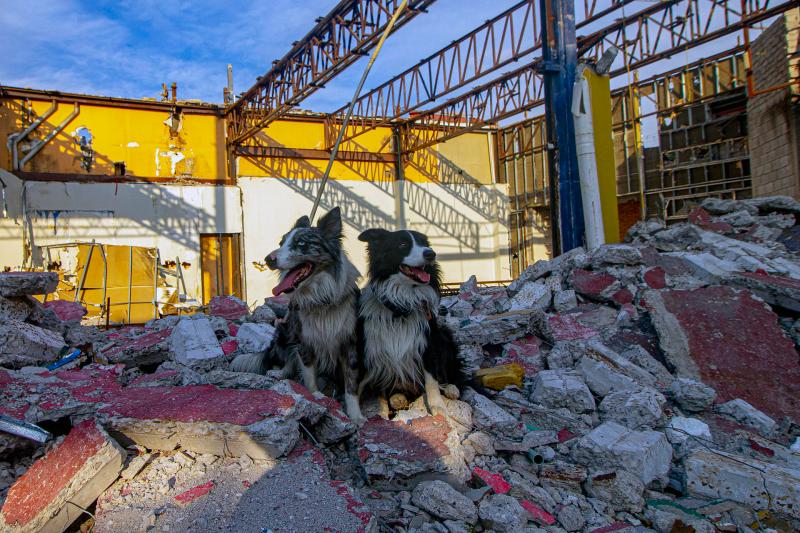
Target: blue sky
128	48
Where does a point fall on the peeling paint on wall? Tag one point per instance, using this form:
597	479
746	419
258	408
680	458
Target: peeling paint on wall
132	144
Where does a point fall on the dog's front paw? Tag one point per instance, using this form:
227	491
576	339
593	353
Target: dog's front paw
439	409
358	420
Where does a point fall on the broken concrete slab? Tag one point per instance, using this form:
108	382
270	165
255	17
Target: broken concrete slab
15	308
255	337
595	285
564	301
557	388
719	475
193	342
531	296
398	455
576	256
647	454
526	352
616	254
263	314
494	329
718	335
27	283
24	344
145	347
778	291
56	489
602	379
487	415
66	310
685	433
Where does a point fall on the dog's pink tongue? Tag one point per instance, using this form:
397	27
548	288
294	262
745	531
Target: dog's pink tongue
423	276
287	283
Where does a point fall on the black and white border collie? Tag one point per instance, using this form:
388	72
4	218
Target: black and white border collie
404	349
319	335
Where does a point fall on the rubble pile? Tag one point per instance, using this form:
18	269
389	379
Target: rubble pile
647	386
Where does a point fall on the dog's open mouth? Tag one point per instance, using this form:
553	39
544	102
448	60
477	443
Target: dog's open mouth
415	273
293	279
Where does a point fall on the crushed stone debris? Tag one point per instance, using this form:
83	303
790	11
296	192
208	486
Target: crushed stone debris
644	386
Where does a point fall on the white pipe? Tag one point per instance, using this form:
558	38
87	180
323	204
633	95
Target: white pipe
587	164
41	144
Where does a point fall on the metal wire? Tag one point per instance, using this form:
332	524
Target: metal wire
335	149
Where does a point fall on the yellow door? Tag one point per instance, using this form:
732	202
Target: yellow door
220	265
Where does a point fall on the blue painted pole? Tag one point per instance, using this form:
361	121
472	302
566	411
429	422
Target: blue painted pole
560	59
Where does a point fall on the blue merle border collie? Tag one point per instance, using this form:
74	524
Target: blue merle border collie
404	348
319	334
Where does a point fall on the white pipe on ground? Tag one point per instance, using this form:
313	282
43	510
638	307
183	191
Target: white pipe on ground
587	164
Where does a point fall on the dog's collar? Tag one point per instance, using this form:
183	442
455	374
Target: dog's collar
399	311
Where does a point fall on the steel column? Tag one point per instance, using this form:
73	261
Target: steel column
560	59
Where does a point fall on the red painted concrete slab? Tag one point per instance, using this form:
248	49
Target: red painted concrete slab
701	217
62	474
568	327
738	347
66	310
526	352
394	452
227	307
495	481
592	284
655	277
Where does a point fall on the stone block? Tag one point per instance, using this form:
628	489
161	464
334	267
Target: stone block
647	454
744	413
193	342
69	478
555	389
692	396
254	337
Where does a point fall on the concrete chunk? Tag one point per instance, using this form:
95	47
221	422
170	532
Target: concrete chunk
398	455
532	296
692	396
743	412
193	341
227	307
602	379
719	475
502	513
490	416
445	502
554	389
646	454
24	344
51	494
254	337
638	409
27	283
494	329
619	488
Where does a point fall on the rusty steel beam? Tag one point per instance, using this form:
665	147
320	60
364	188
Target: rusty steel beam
262	151
498	42
674	26
650	35
348	32
506	96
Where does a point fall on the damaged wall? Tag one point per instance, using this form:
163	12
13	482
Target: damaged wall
169	217
774	117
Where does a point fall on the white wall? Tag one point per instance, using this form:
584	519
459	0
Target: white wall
466	225
168	217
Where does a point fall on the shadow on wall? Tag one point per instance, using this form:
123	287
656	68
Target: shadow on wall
304	178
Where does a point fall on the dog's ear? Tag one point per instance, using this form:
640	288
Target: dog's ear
372	234
302	222
331	224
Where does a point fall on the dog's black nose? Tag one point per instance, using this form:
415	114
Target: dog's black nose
272	261
428	254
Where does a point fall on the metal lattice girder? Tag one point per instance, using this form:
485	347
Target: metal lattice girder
348	32
495	43
673	26
506	96
645	37
500	41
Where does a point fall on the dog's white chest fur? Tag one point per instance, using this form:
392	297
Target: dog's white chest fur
394	344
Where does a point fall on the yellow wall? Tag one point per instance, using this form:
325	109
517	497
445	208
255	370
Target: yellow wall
137	137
